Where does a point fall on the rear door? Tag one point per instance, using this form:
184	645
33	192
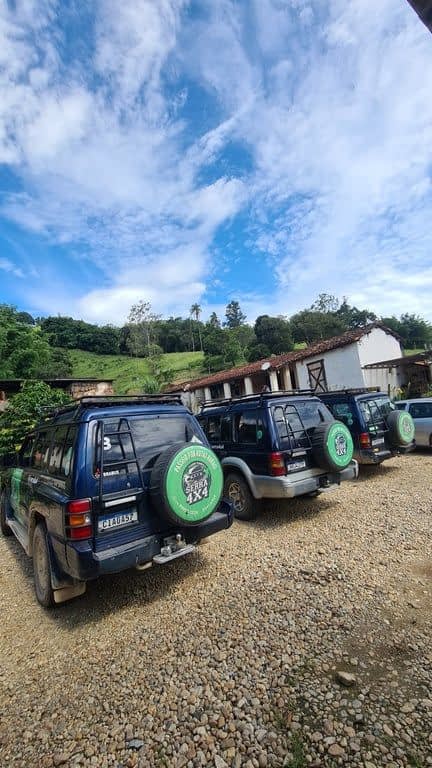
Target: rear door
374	411
123	451
421	413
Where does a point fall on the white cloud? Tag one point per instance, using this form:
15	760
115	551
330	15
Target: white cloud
331	100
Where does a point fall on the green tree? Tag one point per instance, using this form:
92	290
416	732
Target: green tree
195	311
214	320
24	410
24	351
141	322
234	315
325	302
257	351
310	326
353	317
274	333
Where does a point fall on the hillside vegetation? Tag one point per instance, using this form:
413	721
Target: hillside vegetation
129	373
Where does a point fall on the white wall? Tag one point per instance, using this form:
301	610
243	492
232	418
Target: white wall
384	378
342	368
377	346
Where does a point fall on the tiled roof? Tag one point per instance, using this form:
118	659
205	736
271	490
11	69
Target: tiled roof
278	361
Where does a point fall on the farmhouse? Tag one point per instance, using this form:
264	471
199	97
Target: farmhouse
351	360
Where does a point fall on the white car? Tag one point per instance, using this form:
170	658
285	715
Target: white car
420	410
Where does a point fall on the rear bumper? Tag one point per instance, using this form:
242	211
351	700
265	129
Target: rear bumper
85	564
288	487
370	456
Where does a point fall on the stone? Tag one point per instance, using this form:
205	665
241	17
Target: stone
345	678
335	750
135	744
220	762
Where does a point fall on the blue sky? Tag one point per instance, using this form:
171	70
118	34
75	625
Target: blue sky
181	152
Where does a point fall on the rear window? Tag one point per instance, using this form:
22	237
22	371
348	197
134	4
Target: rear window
376	410
294	419
144	437
421	410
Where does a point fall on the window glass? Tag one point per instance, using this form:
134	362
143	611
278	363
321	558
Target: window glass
292	421
26	452
41	449
56	454
344	412
226	429
421	410
375	410
213	428
248	427
150	435
68	453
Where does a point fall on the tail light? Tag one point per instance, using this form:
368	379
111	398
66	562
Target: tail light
276	464
365	441
78	519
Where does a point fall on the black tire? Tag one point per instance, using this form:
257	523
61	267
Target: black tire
4	508
236	489
172	492
332	446
42	567
401	429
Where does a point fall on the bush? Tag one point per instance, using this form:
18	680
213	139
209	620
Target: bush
24	411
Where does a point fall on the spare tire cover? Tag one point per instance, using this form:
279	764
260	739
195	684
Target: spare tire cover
187	482
339	444
333	445
401	427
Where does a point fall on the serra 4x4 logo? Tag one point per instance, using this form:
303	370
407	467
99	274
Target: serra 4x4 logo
341	445
196	482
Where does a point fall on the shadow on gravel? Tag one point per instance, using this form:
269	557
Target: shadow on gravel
113	592
368	472
128	589
279	513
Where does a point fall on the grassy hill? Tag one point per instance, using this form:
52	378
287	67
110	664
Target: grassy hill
128	372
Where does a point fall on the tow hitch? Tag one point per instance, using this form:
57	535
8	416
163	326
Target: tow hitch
172	548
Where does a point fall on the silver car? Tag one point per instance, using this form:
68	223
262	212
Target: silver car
420	410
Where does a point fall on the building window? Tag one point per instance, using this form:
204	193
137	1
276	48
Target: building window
317	376
216	391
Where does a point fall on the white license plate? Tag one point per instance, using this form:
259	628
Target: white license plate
116	520
295	465
378	441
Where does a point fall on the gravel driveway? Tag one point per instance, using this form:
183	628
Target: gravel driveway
235	656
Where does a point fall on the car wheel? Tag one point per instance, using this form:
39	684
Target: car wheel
42	567
4	507
237	491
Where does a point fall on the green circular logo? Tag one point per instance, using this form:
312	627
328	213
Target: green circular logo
194	482
340	445
407	427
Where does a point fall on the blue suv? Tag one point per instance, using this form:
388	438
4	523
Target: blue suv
107	484
277	445
379	431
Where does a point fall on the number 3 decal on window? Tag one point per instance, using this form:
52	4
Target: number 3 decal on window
107	444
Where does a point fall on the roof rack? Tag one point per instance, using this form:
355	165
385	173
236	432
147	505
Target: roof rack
260	396
352	391
96	401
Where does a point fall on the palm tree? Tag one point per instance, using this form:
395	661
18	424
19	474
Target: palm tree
196	311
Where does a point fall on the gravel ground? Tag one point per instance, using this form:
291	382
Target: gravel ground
235	656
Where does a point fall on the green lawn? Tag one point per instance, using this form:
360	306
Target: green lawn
128	373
